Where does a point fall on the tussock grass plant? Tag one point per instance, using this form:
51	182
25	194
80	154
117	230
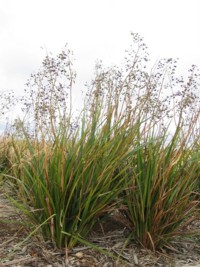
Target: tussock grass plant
70	171
160	190
73	180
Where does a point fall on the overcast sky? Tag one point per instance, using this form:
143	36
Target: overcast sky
93	29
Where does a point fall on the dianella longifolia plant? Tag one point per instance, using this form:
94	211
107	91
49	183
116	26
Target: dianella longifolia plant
133	146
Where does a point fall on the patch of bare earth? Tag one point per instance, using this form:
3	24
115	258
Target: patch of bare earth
18	250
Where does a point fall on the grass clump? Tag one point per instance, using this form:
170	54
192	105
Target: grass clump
160	190
69	180
72	182
125	151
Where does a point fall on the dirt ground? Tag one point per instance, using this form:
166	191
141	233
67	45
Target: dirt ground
18	249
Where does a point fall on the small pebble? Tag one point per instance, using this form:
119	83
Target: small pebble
79	255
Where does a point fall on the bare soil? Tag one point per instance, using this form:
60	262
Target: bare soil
18	249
